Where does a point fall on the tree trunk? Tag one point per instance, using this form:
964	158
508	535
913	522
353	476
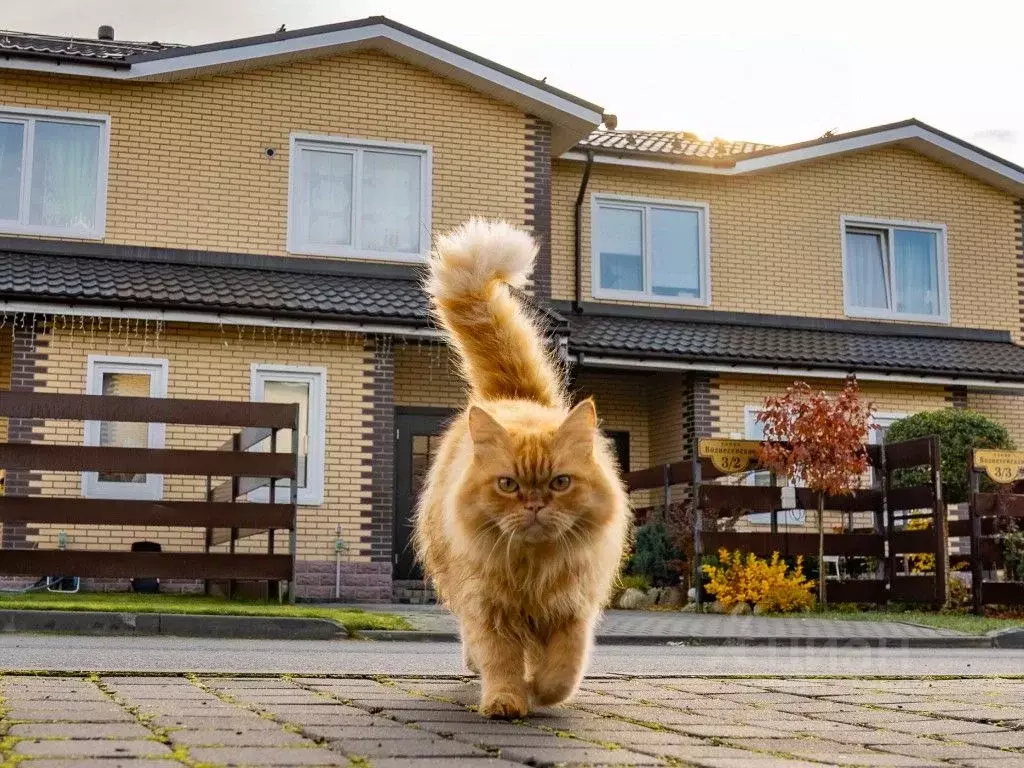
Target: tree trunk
822	570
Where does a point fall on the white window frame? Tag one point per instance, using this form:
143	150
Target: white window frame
846	222
356	147
92	486
644	204
29	117
313	493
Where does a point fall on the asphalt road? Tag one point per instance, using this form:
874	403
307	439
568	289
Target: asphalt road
168	654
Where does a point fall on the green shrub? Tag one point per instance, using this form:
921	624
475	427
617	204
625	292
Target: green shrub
959	431
633	581
653	553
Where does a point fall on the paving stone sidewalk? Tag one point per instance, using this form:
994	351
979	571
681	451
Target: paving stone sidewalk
158	722
620	624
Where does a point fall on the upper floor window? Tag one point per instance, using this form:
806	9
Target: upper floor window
895	270
53	173
366	199
650	250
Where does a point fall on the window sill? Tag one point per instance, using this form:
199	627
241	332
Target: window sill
647	298
361	255
867	314
9	228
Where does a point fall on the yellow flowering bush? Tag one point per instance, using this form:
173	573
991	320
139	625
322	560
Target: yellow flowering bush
766	584
921	562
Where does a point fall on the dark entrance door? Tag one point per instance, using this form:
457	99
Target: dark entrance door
417	440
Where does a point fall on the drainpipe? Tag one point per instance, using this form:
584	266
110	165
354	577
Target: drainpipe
577	305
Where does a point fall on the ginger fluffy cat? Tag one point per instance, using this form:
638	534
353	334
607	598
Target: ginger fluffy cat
523	518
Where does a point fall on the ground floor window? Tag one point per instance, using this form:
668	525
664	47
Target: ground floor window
306	387
124	377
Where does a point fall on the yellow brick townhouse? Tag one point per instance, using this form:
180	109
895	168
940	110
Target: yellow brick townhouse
248	220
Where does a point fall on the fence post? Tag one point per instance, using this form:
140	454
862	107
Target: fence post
236	444
698	526
941	530
976	571
209	532
667	493
293	534
887	517
272	586
774	481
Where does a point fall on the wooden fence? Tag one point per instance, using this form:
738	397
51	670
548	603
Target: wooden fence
890	505
225	506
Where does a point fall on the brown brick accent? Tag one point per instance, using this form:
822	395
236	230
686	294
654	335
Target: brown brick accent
957	397
1018	235
382	459
538	199
28	358
360	582
700	410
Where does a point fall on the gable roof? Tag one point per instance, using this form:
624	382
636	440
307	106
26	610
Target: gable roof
570	116
648	149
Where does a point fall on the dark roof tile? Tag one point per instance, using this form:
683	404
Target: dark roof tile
760	345
668	144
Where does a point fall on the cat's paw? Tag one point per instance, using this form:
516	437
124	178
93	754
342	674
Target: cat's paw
504	705
550	691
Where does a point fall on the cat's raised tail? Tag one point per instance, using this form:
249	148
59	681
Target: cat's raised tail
501	346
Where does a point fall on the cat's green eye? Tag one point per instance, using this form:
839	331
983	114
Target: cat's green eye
561	483
507	485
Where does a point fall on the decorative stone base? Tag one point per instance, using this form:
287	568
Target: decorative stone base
414	592
360	582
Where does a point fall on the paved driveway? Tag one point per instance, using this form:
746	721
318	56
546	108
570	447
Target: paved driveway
392	722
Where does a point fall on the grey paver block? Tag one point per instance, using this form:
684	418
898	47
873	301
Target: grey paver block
388	747
582	754
942	751
103	763
240	720
55	714
942	727
79	731
1000	739
445	762
90	748
371	730
270	756
1009	762
236	738
759	761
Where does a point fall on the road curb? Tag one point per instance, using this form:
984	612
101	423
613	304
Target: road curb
1007	638
981	641
180	625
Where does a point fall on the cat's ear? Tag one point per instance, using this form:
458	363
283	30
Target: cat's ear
580	426
484	428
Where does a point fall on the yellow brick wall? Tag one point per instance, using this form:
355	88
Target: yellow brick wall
1006	409
206	363
666	418
187	162
622	401
775	237
426	376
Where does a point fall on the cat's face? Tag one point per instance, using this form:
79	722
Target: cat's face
535	484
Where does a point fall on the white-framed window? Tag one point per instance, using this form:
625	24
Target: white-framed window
895	270
125	377
754	430
307	387
53	172
880	423
351	197
650	250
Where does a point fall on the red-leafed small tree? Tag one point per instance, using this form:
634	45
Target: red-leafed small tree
820	439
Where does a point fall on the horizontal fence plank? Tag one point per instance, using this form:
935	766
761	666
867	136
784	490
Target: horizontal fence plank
764	544
1002	592
152	410
158	565
246	485
912	542
861	500
746	497
908	453
856	591
157	461
963	527
913	589
247	438
180	514
999	505
911	497
681	472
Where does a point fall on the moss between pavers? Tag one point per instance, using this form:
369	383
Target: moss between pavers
351	619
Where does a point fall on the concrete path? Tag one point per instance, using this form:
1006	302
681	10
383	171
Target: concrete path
400	722
173	654
667	626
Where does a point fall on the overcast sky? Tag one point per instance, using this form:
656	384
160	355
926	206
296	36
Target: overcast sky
766	71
